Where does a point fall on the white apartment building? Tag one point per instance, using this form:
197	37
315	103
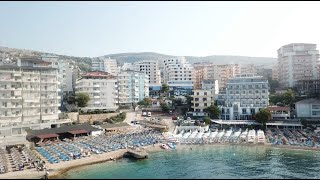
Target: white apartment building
210	85
308	108
28	95
133	86
201	100
245	95
297	61
128	66
178	74
151	68
105	64
102	89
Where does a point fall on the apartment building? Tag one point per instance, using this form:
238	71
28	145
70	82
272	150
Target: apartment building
105	64
201	100
275	72
179	75
200	73
102	89
133	86
128	66
245	95
29	95
210	85
297	61
151	68
309	88
308	108
264	72
248	69
222	73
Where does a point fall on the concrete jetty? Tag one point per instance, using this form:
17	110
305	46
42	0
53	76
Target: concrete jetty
137	153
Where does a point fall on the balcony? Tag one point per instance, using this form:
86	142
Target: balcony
11	107
96	91
96	97
96	85
31	99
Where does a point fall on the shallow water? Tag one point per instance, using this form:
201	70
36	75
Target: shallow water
210	162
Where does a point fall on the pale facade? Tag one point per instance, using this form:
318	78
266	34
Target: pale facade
297	61
245	95
308	108
133	86
105	64
29	95
102	89
151	68
178	73
201	100
200	73
210	85
222	73
248	69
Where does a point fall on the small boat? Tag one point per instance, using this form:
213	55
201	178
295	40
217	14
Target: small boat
172	145
164	146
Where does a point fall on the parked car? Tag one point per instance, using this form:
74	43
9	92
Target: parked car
174	118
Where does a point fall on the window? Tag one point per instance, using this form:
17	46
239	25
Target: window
205	104
197	104
197	93
204	99
205	93
244	111
252	111
196	99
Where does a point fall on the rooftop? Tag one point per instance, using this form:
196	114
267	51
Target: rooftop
309	101
99	74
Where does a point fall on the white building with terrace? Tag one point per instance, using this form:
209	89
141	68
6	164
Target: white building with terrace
245	95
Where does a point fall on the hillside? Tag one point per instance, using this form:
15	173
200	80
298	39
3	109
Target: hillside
85	62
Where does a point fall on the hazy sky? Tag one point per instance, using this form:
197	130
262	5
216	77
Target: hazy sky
173	28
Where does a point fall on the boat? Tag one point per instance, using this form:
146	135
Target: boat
206	135
172	145
164	146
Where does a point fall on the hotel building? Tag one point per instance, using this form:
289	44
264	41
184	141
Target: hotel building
29	95
245	95
297	61
102	89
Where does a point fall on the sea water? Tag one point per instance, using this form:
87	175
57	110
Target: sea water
231	161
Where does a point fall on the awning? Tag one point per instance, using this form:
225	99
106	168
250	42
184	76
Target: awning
43	136
78	132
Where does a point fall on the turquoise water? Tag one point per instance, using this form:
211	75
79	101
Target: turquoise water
210	162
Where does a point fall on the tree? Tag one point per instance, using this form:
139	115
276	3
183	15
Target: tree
207	120
263	116
289	97
82	99
165	107
213	111
165	88
146	102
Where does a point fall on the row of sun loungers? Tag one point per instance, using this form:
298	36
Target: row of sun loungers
84	146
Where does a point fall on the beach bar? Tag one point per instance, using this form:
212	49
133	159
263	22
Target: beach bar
67	131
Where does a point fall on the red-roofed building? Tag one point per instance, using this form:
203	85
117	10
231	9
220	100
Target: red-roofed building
279	112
